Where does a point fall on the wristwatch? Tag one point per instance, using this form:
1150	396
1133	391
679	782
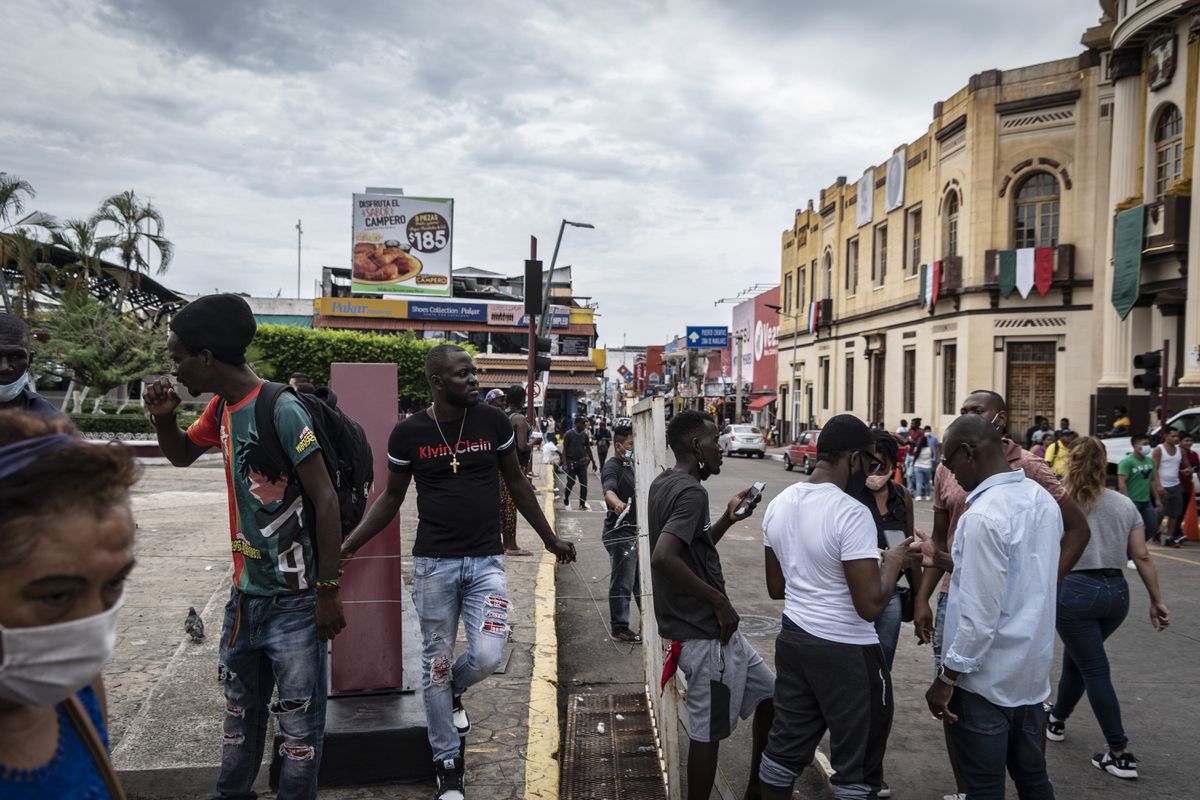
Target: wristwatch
944	678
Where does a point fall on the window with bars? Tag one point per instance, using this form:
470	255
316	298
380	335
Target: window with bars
950	214
910	380
912	241
879	260
787	293
802	291
1035	223
824	366
849	382
852	265
949	378
1168	150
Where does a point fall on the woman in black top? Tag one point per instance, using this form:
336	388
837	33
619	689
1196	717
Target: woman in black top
891	507
603	440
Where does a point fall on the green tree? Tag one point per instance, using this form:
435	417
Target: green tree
102	348
16	245
133	225
79	236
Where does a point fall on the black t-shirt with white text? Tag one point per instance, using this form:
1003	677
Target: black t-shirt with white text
458	512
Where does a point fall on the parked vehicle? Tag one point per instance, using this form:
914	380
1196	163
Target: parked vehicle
745	439
802	452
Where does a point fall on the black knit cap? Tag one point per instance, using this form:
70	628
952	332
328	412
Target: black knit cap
844	433
222	324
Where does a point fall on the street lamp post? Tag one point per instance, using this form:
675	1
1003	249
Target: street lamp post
544	322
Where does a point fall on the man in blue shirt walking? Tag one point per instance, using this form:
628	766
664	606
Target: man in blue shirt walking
999	639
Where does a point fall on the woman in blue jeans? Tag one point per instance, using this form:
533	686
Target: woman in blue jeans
1093	600
891	507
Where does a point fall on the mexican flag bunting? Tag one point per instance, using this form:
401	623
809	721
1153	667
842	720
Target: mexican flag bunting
1008	271
813	313
935	283
1043	269
1025	271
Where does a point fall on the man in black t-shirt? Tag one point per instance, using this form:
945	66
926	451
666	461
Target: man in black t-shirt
620	539
576	456
726	678
453	449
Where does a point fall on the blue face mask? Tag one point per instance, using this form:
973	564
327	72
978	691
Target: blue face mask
9	391
629	454
1146	449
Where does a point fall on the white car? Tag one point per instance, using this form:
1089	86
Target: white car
1117	447
745	439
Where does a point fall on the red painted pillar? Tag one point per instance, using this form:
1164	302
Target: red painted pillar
367	654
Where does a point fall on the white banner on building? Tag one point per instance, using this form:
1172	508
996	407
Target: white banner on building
895	180
865	200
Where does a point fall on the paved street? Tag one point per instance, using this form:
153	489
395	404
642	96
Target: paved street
1154	672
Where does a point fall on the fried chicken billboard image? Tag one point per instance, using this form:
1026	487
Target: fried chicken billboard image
402	245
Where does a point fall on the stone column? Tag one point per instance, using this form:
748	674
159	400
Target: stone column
1191	309
1125	68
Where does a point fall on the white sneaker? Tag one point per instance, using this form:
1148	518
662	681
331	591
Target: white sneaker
585	506
1130	565
956	796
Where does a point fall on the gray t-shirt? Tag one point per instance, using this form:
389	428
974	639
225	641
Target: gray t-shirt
678	506
1111	520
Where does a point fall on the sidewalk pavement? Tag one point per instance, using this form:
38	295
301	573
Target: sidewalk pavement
166	707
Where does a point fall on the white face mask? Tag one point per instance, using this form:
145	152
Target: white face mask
876	482
45	665
9	391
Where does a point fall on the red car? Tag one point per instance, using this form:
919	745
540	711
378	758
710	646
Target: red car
803	451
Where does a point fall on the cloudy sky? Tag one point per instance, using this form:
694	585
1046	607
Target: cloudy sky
687	132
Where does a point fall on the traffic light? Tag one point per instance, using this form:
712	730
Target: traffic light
533	287
1151	366
541	359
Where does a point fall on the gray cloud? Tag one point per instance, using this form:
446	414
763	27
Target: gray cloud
687	132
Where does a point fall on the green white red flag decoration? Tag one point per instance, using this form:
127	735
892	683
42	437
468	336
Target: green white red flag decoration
930	281
1025	269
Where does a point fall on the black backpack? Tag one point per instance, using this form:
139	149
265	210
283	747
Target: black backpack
343	443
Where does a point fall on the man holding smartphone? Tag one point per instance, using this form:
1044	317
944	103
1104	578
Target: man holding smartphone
727	679
824	562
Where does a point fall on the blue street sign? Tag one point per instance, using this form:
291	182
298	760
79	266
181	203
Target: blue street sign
707	337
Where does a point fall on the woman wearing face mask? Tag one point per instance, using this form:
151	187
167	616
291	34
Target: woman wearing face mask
891	506
66	547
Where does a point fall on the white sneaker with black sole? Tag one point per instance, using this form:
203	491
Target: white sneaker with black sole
1123	766
462	723
1056	729
449	780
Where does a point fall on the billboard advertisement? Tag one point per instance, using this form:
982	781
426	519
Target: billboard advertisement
402	245
759	327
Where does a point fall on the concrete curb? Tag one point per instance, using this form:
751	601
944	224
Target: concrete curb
542	737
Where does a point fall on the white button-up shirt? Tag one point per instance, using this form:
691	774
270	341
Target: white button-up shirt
1000	612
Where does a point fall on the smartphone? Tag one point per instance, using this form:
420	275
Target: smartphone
755	492
894	537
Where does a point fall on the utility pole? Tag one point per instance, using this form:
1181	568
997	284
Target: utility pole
738	380
1167	372
529	377
299	233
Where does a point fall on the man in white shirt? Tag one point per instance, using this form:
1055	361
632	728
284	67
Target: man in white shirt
999	637
823	561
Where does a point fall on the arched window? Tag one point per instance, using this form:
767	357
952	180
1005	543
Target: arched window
950	216
1168	150
828	286
1035	223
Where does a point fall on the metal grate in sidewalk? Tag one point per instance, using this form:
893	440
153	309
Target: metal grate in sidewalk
610	752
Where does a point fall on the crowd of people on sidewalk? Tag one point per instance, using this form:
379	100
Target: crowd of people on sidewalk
1018	551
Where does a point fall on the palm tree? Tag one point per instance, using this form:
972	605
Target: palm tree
80	238
136	224
14	191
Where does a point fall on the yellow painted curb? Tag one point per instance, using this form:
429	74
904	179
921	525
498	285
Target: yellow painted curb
542	743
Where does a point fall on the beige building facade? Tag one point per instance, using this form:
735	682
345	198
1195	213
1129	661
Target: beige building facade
1003	209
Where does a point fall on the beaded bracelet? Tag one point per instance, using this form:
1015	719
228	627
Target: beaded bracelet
329	584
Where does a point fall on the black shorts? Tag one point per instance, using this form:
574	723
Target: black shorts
1172	501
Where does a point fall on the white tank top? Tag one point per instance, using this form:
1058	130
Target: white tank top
1168	466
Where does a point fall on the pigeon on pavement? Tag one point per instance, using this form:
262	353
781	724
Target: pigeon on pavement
193	626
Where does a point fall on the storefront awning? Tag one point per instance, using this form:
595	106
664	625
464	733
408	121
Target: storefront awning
759	403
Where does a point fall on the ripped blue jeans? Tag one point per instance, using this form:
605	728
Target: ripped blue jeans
267	642
445	589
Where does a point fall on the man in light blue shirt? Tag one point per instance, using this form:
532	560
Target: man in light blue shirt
999	636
